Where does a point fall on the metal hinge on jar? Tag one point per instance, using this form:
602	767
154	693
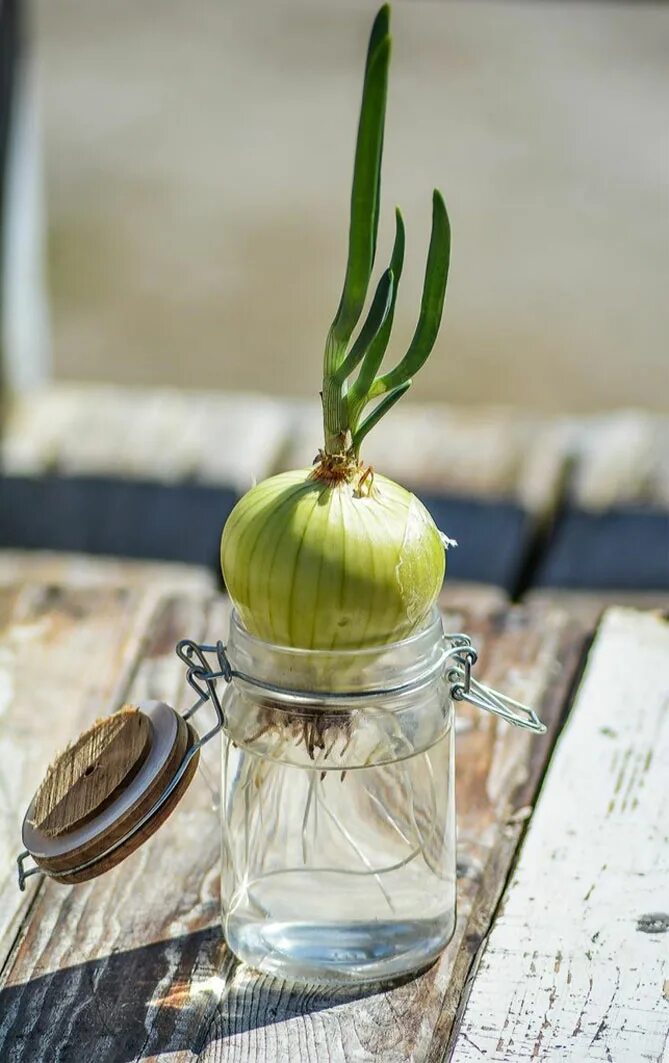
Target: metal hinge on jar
89	837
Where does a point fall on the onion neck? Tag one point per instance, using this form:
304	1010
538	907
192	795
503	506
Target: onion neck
336	426
336	429
336	468
338	462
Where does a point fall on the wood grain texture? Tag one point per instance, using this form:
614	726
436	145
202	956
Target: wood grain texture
83	570
59	868
587	607
459	595
65	657
105	970
90	770
576	965
132	966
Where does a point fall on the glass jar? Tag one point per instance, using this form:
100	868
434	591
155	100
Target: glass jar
338	796
338	808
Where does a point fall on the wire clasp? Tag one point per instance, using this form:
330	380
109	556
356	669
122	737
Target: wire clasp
202	678
462	657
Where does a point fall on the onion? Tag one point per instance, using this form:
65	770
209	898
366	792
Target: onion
319	565
338	556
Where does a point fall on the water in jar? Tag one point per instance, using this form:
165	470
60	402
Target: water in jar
338	875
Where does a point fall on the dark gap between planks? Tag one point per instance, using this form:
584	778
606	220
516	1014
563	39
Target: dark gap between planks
501	543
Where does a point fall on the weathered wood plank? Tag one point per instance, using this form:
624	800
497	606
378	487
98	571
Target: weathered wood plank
576	965
147	936
85	570
65	658
156	434
613	459
622	460
106	969
224	438
587	607
461	596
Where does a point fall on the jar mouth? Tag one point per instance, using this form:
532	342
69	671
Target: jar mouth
401	664
429	633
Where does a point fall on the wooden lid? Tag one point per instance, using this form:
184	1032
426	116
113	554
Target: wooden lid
88	813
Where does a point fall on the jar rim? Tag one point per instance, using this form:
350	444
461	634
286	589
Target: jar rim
428	632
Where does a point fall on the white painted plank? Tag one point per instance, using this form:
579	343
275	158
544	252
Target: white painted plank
622	459
158	434
577	964
86	570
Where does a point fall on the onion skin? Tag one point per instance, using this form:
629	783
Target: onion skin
317	565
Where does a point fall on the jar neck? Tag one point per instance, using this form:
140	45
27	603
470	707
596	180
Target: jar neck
410	662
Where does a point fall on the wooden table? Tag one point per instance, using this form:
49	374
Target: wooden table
569	501
560	950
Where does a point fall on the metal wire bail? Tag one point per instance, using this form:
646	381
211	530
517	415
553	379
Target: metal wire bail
465	688
457	663
460	655
202	678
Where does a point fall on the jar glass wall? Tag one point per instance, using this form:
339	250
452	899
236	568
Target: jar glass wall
338	809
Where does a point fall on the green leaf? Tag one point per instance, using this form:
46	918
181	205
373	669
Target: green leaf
357	396
375	321
380	29
387	402
432	303
366	183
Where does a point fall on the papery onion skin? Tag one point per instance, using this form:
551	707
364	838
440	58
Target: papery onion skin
317	565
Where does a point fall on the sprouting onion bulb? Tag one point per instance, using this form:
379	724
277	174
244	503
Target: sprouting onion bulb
327	566
339	556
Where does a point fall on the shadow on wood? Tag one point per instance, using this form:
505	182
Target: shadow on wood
114	1009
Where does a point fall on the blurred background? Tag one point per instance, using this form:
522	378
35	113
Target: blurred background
176	187
197	160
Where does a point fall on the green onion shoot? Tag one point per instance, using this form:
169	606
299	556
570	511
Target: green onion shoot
339	556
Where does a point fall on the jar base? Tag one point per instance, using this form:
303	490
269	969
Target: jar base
339	953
